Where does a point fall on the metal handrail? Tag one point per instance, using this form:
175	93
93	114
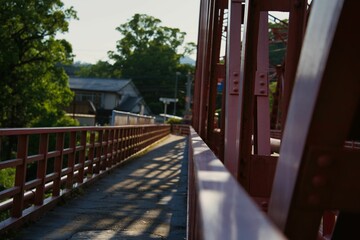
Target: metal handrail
89	153
219	208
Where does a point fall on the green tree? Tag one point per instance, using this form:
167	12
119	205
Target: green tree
34	87
278	34
150	54
101	69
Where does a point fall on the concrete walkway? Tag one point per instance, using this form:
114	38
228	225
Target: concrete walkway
143	199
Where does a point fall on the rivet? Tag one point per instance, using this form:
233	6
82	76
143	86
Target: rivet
262	83
262	75
324	161
264	206
236	74
319	181
235	89
313	199
262	91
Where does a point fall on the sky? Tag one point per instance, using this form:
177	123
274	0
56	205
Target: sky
94	34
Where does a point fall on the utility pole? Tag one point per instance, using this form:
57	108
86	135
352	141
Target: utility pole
175	94
188	94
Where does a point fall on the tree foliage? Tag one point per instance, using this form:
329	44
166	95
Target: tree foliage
150	54
34	88
278	34
147	48
101	69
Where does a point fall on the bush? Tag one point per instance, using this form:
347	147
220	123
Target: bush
174	121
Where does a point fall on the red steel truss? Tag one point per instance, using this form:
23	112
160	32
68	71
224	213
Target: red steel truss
314	177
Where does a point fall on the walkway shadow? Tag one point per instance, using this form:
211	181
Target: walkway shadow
142	199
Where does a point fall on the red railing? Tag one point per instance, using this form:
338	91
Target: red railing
219	208
63	159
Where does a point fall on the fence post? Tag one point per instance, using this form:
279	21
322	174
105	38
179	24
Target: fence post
41	168
82	154
20	176
71	161
58	163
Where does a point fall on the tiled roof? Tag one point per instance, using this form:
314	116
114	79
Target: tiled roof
98	84
129	103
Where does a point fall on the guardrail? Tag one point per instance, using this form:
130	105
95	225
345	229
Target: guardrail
218	207
180	129
63	160
119	118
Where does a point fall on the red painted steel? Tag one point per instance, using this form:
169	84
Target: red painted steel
262	114
215	75
219	207
90	153
310	98
297	16
232	103
247	88
314	172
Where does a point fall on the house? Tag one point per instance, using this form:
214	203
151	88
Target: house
99	97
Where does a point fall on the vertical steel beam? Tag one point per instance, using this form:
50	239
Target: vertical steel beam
206	72
246	88
199	66
262	120
215	59
322	108
232	98
297	19
202	68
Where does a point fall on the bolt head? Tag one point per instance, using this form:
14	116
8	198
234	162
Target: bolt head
319	181
324	161
313	199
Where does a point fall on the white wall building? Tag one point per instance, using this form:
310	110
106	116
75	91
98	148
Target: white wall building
100	96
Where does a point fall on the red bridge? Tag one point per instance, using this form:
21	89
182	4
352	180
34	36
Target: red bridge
241	183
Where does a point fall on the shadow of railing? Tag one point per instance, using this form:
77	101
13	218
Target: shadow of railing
50	163
144	199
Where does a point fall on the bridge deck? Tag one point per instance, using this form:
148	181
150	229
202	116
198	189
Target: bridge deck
143	199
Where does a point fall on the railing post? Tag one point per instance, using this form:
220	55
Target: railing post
138	138
142	137
131	141
98	144
41	169
22	150
116	146
58	163
82	157
126	142
91	153
105	147
232	87
71	160
121	144
111	147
